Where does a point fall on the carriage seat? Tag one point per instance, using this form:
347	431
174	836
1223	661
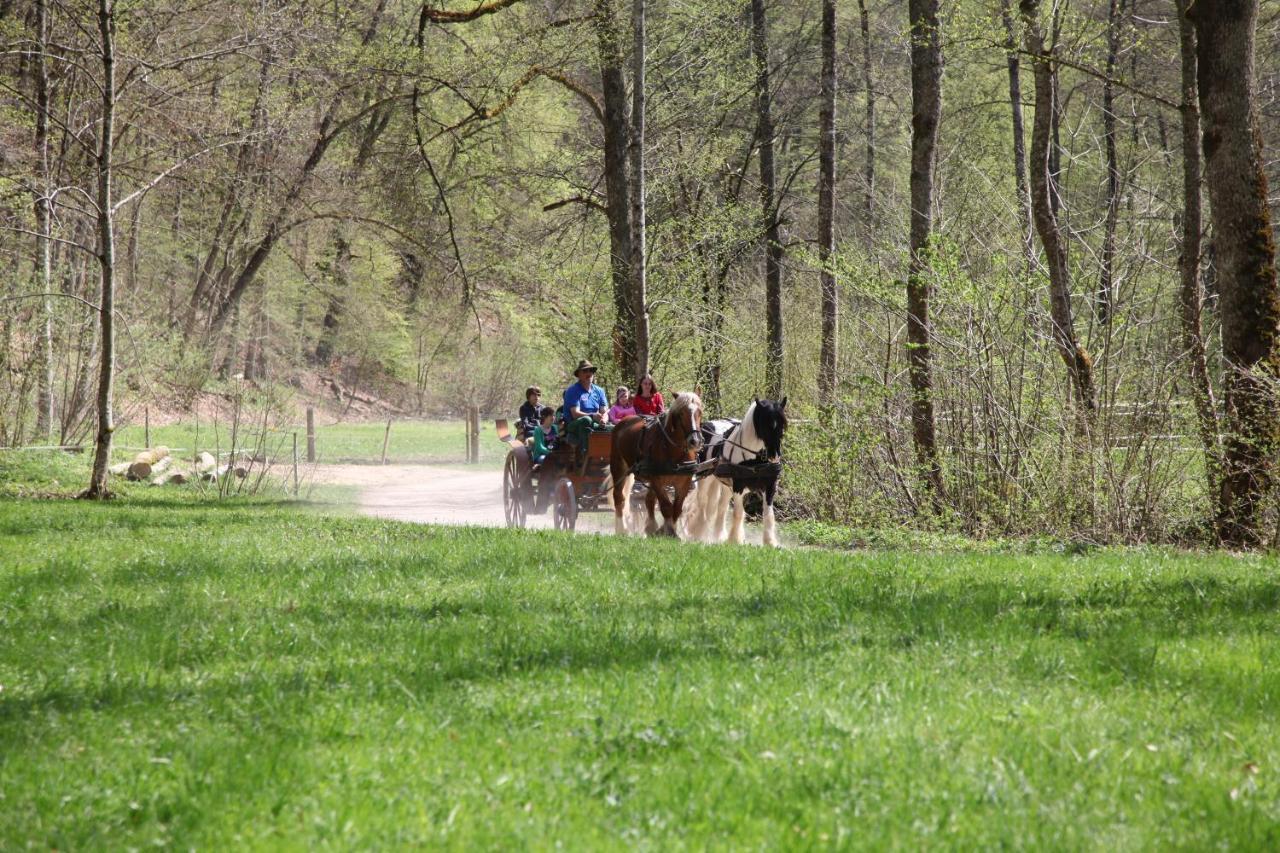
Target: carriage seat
504	433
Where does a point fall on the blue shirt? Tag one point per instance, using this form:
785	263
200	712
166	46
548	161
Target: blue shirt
587	402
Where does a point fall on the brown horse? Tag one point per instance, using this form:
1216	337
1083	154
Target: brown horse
657	446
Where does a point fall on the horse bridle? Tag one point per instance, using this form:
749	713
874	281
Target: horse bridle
661	420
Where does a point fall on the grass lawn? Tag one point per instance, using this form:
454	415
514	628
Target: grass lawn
261	675
411	441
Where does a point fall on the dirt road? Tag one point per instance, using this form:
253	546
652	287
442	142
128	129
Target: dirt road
437	494
440	494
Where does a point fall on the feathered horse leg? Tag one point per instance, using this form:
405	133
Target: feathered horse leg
737	533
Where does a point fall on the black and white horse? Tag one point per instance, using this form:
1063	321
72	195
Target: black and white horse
758	436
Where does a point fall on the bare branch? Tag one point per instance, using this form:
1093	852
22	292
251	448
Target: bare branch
577	199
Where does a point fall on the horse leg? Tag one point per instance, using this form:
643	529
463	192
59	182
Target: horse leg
718	502
668	510
633	517
770	524
682	491
619	499
650	498
695	525
736	533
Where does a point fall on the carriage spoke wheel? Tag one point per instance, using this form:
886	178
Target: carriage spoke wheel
514	485
566	509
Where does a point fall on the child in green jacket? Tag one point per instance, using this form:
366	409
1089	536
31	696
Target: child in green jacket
544	437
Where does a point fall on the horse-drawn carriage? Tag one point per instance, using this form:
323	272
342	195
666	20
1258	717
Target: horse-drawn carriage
654	461
568	481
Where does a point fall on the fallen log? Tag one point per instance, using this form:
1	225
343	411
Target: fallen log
205	463
214	474
142	464
176	476
148	462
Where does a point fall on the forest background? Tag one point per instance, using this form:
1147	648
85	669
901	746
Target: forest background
435	206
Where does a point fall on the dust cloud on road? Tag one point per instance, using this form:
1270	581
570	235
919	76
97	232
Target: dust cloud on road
443	494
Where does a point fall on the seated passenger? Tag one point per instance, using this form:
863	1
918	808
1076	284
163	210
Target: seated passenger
530	412
544	436
621	407
585	405
647	399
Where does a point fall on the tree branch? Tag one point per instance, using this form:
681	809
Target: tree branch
577	199
449	16
150	185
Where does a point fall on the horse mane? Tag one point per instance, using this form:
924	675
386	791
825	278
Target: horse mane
746	437
684	401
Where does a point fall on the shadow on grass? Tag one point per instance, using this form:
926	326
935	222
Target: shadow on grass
387	648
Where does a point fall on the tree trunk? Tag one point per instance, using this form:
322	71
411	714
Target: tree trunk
1019	135
106	255
639	285
768	205
340	286
869	163
926	114
1079	364
44	265
1102	302
617	187
1245	257
826	212
1191	295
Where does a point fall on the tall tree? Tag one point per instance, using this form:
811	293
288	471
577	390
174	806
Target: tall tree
926	115
774	352
44	245
1019	135
1106	264
1244	255
869	157
639	285
617	187
1191	293
827	210
1078	362
106	252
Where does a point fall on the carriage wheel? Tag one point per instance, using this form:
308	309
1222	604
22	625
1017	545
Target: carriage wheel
566	509
514	486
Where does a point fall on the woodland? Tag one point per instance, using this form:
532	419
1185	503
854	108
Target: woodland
1010	262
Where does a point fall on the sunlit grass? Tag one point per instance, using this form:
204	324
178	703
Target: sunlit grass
249	673
410	441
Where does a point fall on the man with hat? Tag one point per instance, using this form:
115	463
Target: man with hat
586	405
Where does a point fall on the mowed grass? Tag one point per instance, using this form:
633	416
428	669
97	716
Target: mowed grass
410	441
264	676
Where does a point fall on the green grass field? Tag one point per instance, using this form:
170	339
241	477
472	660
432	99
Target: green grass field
411	441
263	675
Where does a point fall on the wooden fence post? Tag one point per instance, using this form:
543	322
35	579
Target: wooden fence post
295	463
386	437
311	434
474	428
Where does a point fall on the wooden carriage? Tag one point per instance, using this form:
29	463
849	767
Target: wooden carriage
569	481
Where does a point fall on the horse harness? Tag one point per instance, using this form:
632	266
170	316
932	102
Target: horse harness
646	467
757	472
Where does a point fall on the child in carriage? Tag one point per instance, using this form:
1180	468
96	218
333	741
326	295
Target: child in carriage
621	407
531	412
543	439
